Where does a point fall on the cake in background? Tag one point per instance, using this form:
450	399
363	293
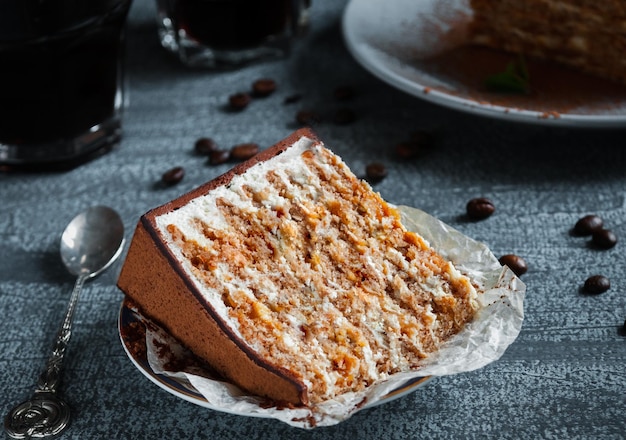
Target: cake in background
587	35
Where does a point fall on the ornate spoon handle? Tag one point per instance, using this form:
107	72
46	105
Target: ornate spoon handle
45	415
51	376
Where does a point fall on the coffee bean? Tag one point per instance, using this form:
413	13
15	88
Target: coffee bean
603	239
480	208
292	99
173	176
515	263
596	284
407	150
204	146
422	138
244	151
375	171
219	157
416	144
588	224
344	93
344	116
307	117
263	87
239	101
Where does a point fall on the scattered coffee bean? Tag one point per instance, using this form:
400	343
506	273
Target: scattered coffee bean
407	150
597	284
307	117
173	176
588	224
603	238
219	157
480	208
344	116
375	171
263	87
292	99
204	146
414	146
243	152
344	93
515	263
422	137
239	101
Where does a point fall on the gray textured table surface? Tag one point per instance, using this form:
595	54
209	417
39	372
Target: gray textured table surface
565	376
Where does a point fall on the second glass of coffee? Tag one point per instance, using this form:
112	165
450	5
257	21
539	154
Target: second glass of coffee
229	33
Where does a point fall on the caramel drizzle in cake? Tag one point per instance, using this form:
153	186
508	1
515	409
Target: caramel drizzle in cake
327	283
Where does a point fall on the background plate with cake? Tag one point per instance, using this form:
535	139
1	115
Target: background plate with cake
447	53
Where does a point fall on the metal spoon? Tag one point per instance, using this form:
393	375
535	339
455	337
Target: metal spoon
91	242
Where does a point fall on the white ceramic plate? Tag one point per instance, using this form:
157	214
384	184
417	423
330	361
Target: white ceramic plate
394	39
183	389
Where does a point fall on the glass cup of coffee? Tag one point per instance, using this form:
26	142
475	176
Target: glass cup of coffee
229	33
61	81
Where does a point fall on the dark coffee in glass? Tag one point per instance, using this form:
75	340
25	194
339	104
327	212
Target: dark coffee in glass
60	81
222	33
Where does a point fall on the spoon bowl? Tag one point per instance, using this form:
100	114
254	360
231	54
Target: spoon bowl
91	242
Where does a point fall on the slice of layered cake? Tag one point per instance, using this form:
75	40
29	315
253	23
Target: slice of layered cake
585	34
293	279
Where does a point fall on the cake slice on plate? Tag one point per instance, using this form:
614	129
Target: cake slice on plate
294	279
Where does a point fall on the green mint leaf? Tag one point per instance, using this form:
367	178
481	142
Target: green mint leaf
514	79
522	69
